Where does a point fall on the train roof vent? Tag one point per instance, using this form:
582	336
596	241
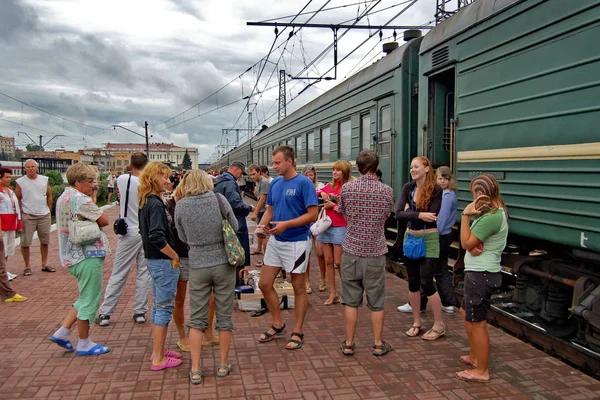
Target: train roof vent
439	56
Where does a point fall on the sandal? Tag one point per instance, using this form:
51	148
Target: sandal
226	367
466	375
170	353
347	350
383	348
466	360
64	343
322	286
170	362
97	350
183	347
298	343
259	263
48	269
268	336
411	332
27	272
255	252
308	288
436	334
196	377
212	342
329	302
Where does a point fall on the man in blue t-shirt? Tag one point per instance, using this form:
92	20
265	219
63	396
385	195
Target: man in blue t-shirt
291	207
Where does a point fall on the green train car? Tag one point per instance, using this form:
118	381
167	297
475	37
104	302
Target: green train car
507	87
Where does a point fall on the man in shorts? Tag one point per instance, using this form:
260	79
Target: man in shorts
35	200
366	203
110	185
291	206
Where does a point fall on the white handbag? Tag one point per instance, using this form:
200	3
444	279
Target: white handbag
322	224
82	232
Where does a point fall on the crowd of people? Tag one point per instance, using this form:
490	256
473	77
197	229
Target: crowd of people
171	229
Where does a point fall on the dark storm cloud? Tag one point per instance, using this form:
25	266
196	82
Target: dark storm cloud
16	20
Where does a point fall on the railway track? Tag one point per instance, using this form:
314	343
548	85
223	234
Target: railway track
522	323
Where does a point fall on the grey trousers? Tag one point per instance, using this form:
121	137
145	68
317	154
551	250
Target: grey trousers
129	250
5	290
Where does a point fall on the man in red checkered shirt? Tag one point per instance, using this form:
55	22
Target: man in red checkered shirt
366	203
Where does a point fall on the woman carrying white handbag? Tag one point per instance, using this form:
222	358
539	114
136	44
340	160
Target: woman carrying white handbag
332	237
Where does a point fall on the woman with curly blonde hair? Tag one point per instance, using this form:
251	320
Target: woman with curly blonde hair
156	228
419	206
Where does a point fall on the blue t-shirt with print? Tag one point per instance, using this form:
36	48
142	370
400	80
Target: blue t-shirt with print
290	199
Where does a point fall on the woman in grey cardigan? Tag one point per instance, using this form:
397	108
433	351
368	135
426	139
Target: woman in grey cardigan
199	224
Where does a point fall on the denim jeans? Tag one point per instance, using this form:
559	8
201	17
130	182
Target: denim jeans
164	288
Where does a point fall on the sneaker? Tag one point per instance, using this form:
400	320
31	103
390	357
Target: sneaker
103	320
449	309
11	276
17	298
139	318
407	308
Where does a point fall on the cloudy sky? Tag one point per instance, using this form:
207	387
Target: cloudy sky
91	64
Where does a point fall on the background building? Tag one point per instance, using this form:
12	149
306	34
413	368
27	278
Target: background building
7	146
161	152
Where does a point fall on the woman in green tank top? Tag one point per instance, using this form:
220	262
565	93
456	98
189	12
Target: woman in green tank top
484	241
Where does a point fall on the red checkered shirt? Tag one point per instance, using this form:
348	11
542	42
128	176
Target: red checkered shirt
366	203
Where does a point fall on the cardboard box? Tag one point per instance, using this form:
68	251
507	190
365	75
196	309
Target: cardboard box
254	301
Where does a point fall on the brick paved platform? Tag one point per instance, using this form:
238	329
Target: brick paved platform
31	367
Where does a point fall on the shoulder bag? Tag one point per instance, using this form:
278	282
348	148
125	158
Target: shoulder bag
414	247
120	225
321	224
82	232
235	252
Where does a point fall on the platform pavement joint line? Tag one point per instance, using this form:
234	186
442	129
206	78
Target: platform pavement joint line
31	367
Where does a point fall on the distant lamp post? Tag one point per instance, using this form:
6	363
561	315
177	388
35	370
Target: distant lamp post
140	135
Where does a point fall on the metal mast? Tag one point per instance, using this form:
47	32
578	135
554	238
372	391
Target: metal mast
444	9
282	101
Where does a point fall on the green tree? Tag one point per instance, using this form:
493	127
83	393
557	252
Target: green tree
54	178
187	161
34	147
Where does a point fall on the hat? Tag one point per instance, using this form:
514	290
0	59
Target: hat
240	165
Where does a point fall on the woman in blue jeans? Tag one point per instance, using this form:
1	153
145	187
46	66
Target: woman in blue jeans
162	260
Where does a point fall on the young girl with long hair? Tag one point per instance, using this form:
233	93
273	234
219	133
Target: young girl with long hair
311	173
420	205
484	241
156	228
331	240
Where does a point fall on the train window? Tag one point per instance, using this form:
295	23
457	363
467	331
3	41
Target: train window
345	141
300	148
385	129
365	131
325	143
310	147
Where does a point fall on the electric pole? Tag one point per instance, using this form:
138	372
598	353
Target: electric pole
147	142
282	100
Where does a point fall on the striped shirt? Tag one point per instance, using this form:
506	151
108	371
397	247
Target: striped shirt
366	203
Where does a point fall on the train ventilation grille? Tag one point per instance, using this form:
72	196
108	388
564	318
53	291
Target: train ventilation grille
439	56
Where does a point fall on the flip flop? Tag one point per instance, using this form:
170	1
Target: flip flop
255	252
48	269
170	353
469	377
465	360
213	342
97	350
330	302
436	334
27	272
183	347
259	263
418	328
64	343
170	362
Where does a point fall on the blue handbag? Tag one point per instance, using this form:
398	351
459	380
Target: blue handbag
414	247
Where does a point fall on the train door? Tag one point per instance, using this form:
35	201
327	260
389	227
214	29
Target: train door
440	144
384	144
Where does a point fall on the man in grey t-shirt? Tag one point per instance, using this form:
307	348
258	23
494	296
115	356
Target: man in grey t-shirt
262	189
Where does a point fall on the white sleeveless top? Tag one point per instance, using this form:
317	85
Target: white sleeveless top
33	195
